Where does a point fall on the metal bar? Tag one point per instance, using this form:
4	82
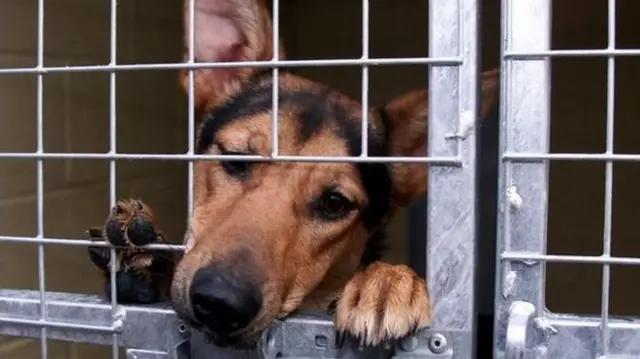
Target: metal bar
82	243
113	46
524	127
526	55
40	179
523	157
365	81
432	160
276	79
441	61
60	325
191	109
451	212
608	187
531	258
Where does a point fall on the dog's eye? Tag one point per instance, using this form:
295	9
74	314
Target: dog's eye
332	205
238	169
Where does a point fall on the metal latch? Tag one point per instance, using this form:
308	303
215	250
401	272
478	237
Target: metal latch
518	326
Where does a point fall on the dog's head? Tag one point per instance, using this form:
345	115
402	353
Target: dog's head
266	238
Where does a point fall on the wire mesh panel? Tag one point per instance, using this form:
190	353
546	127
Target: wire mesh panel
524	327
451	217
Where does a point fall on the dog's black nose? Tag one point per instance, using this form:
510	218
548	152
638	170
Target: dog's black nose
222	302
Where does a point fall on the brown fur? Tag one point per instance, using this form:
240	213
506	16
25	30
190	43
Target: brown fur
263	224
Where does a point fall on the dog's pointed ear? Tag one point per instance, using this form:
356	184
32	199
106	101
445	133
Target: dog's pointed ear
407	118
226	31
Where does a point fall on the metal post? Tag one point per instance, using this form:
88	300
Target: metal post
522	204
523	325
451	212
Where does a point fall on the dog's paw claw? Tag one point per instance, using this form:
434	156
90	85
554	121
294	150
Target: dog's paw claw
142	276
383	304
94	234
340	339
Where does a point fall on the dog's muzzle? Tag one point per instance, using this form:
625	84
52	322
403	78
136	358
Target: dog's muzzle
222	302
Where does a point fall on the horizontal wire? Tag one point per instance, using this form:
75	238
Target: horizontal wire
537	157
571	53
444	161
442	61
450	161
61	325
560	258
84	243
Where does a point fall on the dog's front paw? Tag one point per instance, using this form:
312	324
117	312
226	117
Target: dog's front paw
382	304
142	276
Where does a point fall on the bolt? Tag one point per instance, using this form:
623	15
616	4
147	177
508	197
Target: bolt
182	328
118	325
437	343
513	198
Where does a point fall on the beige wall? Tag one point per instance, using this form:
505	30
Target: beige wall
152	118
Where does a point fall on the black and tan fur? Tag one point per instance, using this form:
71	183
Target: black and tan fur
290	235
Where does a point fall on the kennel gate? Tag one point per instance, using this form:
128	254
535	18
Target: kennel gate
451	215
525	329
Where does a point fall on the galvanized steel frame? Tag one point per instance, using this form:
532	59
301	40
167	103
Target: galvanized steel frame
451	216
524	327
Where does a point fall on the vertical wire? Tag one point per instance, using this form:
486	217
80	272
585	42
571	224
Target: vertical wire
505	113
608	187
191	109
365	80
40	178
276	80
112	163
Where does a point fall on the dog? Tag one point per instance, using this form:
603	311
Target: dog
269	238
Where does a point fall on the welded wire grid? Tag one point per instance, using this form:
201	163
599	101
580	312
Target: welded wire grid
113	156
510	158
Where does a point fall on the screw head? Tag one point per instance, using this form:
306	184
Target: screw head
437	343
182	329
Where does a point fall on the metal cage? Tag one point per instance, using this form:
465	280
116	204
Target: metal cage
525	328
451	215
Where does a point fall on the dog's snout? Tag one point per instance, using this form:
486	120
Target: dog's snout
222	302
